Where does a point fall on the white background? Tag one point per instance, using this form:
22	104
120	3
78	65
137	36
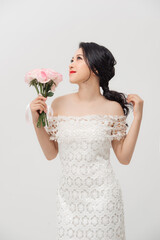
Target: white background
43	33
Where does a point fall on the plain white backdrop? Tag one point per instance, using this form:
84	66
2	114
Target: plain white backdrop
43	33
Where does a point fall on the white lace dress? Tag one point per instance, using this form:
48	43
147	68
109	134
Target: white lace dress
89	197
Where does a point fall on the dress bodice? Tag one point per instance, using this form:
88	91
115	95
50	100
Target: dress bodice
90	135
94	127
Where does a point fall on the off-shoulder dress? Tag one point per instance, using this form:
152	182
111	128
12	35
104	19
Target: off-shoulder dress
89	196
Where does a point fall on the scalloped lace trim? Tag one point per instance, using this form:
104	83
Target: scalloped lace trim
88	116
115	125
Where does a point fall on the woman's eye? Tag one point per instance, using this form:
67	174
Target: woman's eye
77	58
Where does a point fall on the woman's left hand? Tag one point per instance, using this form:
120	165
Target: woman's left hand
137	104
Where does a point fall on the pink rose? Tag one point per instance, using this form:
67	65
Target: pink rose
43	75
45	81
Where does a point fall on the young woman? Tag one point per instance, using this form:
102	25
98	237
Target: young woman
83	128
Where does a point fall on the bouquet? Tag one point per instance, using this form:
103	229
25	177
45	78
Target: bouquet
45	81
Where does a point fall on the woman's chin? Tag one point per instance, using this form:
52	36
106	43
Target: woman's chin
72	80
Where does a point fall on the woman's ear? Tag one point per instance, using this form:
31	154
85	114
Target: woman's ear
96	70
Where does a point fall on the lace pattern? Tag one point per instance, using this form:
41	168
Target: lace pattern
89	197
118	127
114	127
52	128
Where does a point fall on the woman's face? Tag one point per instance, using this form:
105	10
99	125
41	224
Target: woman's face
78	64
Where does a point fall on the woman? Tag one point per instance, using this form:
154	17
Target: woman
84	127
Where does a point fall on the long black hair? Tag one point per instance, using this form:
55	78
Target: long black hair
99	58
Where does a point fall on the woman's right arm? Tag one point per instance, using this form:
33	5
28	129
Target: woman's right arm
49	147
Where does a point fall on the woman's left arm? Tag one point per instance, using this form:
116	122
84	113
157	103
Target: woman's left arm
124	148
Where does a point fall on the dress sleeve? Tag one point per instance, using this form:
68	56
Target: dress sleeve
118	127
52	127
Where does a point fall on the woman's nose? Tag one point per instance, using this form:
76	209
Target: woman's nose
71	65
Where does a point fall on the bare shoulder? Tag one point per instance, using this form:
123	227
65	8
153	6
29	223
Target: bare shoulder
115	108
59	101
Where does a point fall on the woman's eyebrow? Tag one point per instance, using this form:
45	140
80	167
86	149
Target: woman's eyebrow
77	55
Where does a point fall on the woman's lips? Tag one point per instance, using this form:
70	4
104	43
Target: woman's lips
72	72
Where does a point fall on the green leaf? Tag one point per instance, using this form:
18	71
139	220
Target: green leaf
50	94
33	82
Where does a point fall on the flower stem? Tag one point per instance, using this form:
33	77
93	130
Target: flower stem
35	85
45	93
40	84
42	120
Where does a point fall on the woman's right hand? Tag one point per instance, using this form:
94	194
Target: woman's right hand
37	106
